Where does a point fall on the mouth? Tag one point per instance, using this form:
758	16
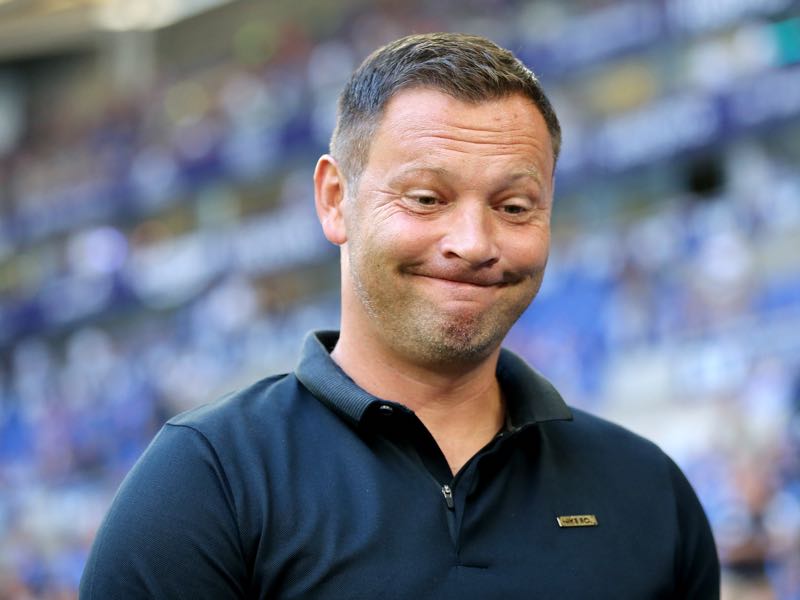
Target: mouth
466	281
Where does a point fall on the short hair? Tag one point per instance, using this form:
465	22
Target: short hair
467	67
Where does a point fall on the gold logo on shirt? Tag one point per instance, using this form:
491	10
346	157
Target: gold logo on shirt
577	521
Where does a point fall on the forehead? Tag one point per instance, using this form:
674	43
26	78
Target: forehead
423	123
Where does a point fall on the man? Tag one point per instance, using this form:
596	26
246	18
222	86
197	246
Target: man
408	456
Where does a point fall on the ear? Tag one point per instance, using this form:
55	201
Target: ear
329	197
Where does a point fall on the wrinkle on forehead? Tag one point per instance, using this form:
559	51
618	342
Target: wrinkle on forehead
409	123
520	155
424	168
442	138
441	123
506	139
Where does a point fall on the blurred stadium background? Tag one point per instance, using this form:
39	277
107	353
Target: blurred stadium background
158	245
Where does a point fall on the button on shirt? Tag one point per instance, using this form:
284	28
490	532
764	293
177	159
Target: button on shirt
306	486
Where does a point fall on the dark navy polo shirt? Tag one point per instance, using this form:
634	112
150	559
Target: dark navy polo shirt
306	486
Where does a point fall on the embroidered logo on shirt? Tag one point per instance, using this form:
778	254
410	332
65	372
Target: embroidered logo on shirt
577	521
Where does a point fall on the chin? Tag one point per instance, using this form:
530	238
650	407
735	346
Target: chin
458	342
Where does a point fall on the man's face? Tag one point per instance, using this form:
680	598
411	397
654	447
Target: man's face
447	235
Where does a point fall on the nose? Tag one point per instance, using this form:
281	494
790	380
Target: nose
471	236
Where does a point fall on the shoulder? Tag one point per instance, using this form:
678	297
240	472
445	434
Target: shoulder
590	452
264	423
591	433
264	403
593	447
258	423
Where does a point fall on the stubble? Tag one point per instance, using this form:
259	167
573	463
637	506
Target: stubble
418	327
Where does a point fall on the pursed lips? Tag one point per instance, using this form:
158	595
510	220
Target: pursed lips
469	280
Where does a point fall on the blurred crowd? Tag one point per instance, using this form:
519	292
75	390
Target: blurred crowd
160	248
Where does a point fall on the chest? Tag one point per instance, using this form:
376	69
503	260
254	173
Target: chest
378	523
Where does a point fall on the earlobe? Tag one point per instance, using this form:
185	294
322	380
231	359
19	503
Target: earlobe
329	194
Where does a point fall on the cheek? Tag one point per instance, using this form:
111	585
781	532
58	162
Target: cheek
401	241
529	254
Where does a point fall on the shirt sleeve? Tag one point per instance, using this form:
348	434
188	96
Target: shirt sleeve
171	531
697	575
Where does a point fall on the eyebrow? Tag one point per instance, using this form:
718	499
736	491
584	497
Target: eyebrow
434	170
528	173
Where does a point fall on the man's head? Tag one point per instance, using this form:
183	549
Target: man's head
442	206
467	67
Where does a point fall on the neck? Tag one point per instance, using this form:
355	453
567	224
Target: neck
461	406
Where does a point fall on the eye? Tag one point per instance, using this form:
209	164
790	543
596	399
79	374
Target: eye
514	209
422	202
425	200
